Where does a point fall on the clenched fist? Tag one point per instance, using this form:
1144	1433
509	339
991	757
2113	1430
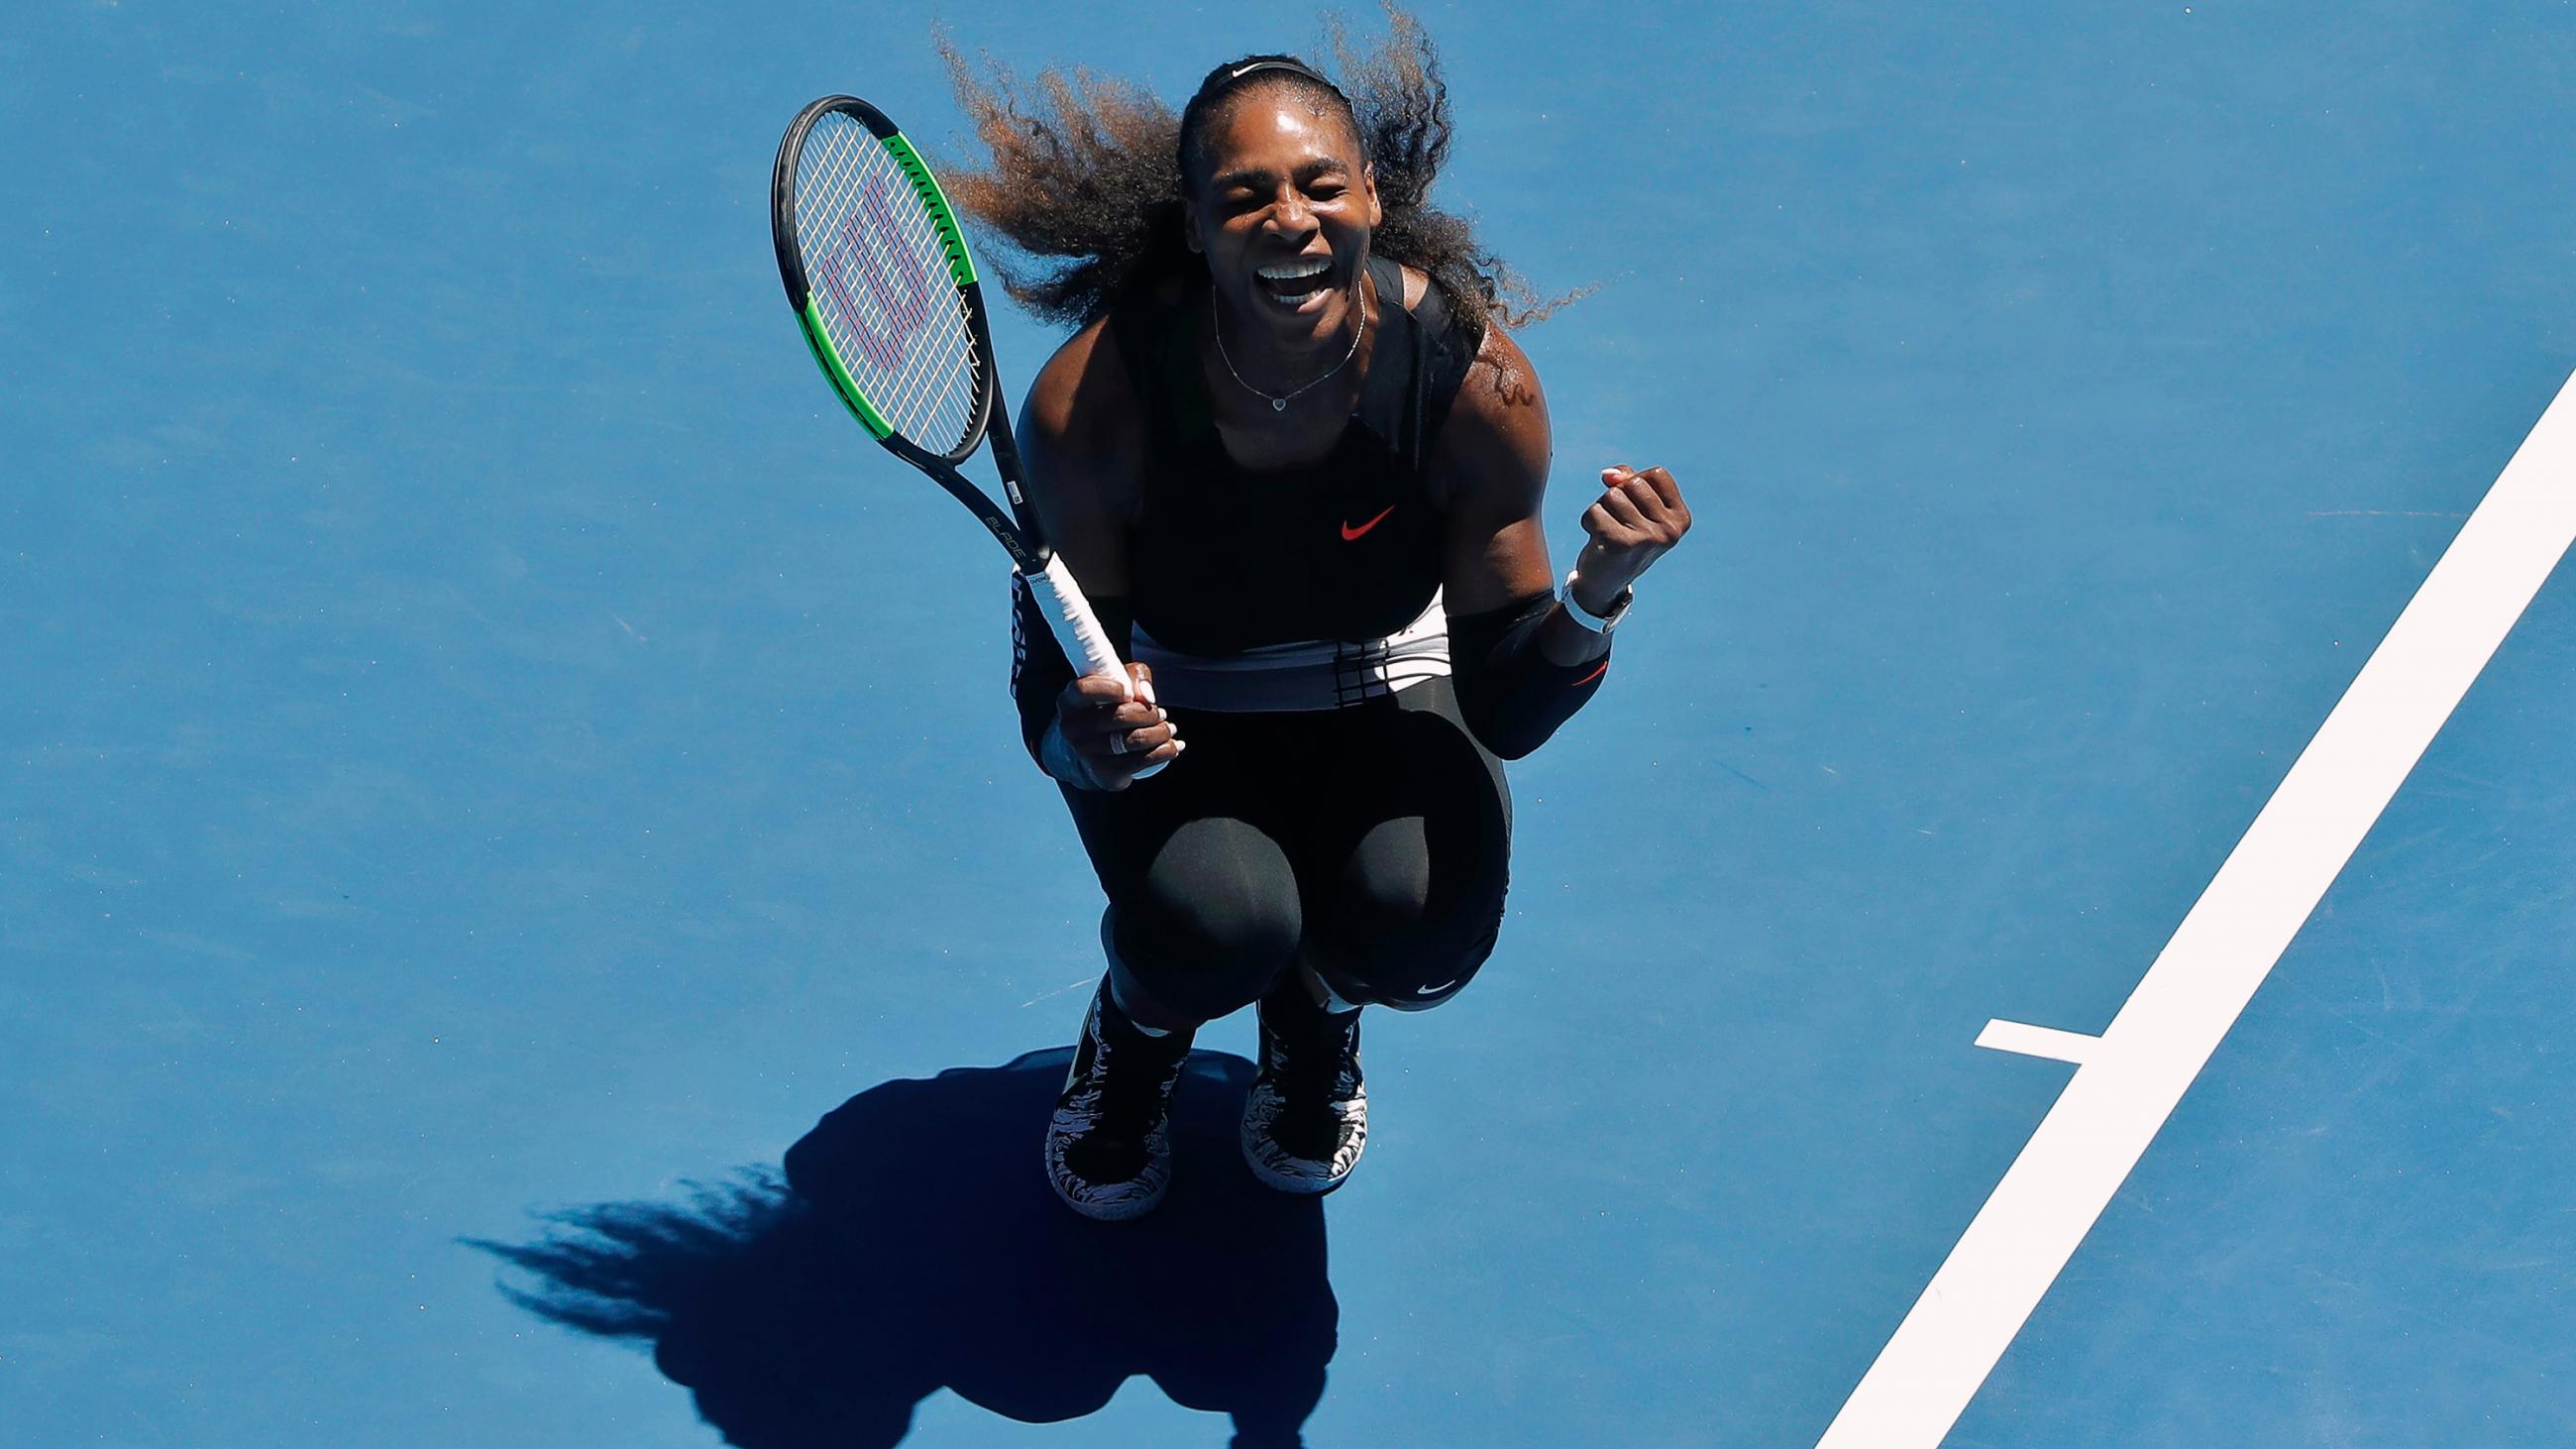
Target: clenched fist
1103	738
1638	519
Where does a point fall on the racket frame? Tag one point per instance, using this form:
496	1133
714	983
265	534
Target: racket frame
1017	529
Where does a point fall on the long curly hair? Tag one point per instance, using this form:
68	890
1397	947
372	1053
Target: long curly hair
1088	174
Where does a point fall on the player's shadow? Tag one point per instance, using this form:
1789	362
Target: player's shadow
913	1244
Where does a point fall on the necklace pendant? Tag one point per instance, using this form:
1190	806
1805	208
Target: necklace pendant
1279	404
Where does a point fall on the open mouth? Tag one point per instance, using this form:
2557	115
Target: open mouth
1293	284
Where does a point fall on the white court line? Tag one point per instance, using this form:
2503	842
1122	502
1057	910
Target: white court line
2038	1041
2135	1074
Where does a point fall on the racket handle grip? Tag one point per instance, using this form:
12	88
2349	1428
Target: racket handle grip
1078	629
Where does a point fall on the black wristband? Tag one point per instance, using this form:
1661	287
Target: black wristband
1512	695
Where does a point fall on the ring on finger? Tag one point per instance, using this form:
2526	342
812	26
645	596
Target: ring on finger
1118	744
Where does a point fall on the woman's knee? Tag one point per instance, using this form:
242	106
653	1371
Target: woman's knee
1409	955
1415	910
1207	942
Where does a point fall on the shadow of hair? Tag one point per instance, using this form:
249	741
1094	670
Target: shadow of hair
912	1244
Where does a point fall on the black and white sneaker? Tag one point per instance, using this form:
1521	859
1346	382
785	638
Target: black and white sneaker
1109	1145
1306	1119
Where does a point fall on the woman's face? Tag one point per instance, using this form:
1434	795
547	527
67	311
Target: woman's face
1282	211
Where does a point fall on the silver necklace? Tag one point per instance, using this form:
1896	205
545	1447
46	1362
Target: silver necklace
1279	401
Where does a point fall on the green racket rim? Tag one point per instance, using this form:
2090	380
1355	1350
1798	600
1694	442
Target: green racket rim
819	319
952	237
809	319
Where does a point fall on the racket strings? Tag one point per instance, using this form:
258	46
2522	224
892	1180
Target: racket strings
879	274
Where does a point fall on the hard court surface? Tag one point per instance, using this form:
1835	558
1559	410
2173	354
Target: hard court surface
482	734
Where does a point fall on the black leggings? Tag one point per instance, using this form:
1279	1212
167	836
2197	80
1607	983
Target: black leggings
1373	842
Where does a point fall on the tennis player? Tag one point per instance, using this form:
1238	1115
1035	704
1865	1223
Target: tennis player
1295	459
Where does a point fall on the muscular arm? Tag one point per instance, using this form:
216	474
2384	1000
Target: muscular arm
1081	447
1080	439
1523	667
1490	465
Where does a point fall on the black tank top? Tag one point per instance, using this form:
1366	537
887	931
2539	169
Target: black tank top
1225	558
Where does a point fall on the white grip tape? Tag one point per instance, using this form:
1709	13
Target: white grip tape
1078	629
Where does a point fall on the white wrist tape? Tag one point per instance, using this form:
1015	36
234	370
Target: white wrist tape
1058	758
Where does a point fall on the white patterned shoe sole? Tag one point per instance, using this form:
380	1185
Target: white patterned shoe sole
1303	1175
1108	1202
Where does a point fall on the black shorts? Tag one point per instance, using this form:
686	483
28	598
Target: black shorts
1372	841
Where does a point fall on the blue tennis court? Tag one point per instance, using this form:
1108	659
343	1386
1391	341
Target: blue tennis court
482	736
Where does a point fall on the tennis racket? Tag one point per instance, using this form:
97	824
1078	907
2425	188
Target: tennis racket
885	292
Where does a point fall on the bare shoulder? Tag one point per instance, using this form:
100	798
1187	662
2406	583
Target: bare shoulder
1081	428
1494	448
1417	285
1082	398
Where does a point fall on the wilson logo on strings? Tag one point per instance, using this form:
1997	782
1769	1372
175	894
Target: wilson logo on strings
894	291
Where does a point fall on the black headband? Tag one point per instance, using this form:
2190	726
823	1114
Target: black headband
1296	68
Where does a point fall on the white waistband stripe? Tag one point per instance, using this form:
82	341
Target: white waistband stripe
1312	674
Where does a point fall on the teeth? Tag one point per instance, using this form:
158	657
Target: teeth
1292	271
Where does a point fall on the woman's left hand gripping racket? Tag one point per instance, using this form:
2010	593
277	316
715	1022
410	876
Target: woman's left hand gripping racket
885	291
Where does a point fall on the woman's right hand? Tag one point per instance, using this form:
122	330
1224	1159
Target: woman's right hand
1110	736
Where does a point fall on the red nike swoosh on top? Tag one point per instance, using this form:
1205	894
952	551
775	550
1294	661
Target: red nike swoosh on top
1349	533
